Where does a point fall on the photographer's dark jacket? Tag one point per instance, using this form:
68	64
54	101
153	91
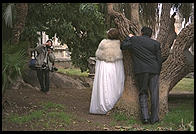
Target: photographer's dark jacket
145	52
44	55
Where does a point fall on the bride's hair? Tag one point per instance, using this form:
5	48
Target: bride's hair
113	34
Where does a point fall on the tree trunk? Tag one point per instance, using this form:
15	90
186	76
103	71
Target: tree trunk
135	15
173	70
127	10
21	13
167	32
177	66
129	100
148	15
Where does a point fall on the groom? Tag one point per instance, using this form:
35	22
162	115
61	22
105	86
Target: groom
146	55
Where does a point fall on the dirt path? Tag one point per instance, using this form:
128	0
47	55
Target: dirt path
76	102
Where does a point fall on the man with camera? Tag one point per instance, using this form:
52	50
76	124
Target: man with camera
44	64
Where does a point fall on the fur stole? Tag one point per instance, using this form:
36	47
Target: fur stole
109	50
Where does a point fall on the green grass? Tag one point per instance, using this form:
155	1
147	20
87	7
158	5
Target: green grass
180	114
186	84
36	115
50	105
51	116
73	72
66	118
112	123
119	116
61	129
131	121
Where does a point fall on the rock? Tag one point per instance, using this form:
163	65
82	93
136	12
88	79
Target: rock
86	81
57	80
30	77
62	81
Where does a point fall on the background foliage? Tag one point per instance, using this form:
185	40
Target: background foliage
79	25
13	60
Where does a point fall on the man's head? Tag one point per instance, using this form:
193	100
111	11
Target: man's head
113	34
146	31
49	42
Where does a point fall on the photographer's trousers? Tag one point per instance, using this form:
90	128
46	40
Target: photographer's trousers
43	77
149	81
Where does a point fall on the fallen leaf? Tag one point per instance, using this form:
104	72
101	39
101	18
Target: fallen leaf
60	125
105	128
127	127
117	127
121	129
88	121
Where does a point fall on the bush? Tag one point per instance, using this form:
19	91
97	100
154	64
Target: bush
13	60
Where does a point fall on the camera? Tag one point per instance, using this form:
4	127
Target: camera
54	69
44	65
49	47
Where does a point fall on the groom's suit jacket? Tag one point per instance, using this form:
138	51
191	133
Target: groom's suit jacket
145	52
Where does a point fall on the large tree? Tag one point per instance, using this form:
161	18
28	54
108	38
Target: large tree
15	18
21	13
79	25
176	65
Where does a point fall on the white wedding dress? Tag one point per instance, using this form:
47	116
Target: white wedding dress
107	87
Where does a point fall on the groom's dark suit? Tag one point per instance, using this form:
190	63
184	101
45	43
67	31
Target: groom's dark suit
146	55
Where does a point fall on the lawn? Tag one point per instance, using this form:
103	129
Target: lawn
73	72
186	84
51	115
179	118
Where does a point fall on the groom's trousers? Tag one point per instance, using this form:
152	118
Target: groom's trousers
149	81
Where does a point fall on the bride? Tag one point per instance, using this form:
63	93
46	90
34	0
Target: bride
109	77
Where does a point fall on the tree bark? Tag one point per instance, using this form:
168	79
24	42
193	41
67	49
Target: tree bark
135	15
177	66
148	15
129	100
167	32
21	13
174	68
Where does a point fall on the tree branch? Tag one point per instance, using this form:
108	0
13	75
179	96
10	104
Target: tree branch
167	32
177	66
122	23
